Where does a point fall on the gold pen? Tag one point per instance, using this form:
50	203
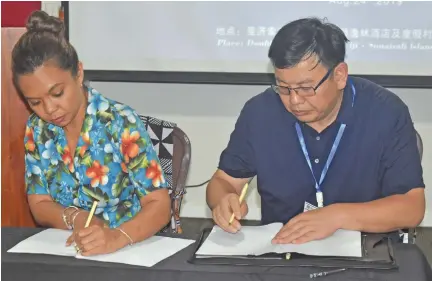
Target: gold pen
89	218
242	195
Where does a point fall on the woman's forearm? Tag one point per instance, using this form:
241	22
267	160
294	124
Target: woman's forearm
151	219
50	214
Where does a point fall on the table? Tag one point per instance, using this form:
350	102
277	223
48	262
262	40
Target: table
20	267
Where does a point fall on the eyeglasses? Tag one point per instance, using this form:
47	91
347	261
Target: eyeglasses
301	91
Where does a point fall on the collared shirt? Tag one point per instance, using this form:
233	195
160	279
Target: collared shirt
377	155
114	161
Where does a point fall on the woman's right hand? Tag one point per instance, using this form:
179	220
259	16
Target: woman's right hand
79	223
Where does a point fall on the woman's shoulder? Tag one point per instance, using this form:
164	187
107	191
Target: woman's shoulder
105	104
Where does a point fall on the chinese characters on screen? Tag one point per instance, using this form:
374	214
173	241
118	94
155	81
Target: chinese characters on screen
373	38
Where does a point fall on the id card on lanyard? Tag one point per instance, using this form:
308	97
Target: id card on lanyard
318	184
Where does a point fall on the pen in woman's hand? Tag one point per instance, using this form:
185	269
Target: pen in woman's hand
89	218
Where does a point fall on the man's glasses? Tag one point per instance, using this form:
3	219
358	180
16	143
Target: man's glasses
301	91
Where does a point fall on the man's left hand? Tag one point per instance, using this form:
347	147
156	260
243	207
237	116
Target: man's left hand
311	225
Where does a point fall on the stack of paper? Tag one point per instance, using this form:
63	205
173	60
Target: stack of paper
146	253
256	240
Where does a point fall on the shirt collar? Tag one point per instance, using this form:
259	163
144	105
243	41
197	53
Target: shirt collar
348	102
346	110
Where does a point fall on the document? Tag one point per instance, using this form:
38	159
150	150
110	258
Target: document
256	240
146	253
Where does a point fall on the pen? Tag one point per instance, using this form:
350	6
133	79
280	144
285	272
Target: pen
325	273
242	195
89	218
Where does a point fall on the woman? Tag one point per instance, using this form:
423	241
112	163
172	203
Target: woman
81	147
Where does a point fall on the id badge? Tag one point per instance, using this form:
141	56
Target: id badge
308	207
320	199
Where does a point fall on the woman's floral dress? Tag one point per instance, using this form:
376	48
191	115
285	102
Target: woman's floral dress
114	161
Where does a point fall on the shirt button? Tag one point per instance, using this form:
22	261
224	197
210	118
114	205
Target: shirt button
316	160
318	138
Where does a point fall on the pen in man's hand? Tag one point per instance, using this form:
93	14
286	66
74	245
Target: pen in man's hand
242	196
325	273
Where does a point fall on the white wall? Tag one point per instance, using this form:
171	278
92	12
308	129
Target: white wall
207	114
51	7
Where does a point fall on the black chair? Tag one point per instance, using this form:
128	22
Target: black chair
419	144
412	232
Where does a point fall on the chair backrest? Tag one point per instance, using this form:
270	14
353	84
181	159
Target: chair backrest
174	151
181	163
411	232
419	144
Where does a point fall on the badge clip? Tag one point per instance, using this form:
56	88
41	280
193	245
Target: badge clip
320	199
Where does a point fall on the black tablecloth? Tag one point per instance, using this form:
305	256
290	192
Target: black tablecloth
412	266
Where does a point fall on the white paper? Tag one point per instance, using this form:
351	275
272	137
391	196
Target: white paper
256	240
343	243
145	253
50	242
250	240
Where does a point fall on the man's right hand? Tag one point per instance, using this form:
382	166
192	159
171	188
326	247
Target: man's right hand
222	213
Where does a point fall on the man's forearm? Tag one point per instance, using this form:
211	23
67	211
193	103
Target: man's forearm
383	215
216	190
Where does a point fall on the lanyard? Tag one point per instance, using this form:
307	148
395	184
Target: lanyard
319	194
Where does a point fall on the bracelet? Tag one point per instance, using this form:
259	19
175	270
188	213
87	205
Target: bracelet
130	239
65	218
75	214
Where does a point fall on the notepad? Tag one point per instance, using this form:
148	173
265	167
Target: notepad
256	240
146	253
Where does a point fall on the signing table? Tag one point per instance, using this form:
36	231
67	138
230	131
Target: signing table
22	267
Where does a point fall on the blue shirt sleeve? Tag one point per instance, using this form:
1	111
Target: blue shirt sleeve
401	159
237	160
140	158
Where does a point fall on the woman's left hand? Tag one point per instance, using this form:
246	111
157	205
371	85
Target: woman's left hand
96	240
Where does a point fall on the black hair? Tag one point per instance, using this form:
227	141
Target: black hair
303	38
44	42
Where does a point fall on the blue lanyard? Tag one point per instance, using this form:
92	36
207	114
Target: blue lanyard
330	157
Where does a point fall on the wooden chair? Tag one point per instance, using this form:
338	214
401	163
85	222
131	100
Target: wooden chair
174	150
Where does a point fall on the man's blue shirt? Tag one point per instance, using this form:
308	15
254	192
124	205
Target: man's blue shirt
377	155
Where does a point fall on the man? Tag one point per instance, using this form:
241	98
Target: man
319	138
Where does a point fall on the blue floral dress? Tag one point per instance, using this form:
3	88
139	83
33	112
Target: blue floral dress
114	161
